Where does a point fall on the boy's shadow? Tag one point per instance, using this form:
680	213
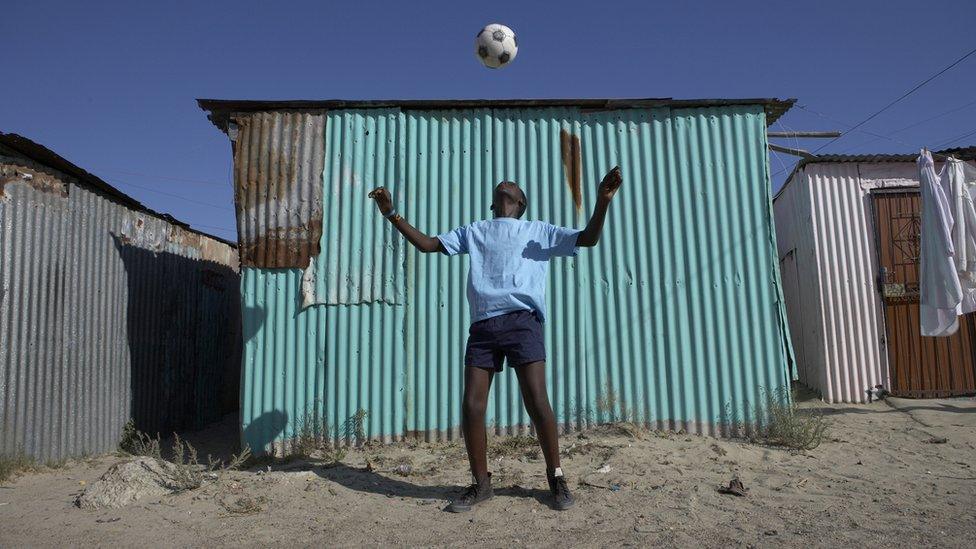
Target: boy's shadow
376	483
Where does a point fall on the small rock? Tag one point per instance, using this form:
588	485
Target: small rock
735	488
605	469
937	440
403	469
770	533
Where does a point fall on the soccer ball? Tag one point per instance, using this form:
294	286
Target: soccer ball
496	46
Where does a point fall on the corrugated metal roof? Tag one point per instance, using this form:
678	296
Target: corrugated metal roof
46	157
221	110
962	153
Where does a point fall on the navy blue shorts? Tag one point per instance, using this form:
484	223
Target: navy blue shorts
516	336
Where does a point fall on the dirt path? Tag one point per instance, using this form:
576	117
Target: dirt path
879	480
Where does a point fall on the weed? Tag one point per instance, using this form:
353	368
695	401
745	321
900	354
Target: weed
56	463
779	422
629	429
188	474
12	464
313	434
130	438
356	426
335	454
606	404
237	461
512	446
137	443
611	409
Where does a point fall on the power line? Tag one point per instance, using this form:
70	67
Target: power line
903	96
228	229
954	139
166	177
934	147
172	195
916	124
842	123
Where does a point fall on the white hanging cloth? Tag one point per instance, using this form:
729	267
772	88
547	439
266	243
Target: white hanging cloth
940	295
959	189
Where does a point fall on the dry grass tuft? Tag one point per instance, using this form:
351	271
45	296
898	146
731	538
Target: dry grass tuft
14	464
513	446
780	422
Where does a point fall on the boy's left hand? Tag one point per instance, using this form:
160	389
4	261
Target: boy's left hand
610	184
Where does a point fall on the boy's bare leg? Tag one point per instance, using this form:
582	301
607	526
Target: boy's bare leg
477	383
532	383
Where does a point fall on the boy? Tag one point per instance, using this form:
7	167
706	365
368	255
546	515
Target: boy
506	292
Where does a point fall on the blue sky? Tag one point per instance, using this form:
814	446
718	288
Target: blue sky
111	85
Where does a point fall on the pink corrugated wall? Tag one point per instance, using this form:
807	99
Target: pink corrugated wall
825	232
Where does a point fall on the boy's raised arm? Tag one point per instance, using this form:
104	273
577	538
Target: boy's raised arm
608	187
384	202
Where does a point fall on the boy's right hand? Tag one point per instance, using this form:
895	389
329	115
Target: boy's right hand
383	199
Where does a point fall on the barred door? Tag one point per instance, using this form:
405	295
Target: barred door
923	367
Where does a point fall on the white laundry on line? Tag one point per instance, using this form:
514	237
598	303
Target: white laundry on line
959	188
940	294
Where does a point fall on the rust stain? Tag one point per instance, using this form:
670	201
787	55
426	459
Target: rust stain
278	166
39	181
569	146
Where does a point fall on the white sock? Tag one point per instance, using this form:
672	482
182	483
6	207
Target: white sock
558	472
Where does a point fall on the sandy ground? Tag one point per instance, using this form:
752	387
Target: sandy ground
879	480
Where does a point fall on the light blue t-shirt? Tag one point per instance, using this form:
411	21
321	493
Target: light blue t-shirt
509	262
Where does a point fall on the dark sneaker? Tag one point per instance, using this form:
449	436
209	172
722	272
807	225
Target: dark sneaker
475	494
562	499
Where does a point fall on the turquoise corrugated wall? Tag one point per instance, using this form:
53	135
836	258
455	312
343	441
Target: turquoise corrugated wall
675	319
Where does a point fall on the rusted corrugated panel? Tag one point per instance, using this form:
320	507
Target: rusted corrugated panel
674	320
106	314
278	161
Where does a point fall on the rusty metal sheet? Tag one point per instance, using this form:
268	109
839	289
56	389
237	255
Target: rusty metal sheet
278	163
569	148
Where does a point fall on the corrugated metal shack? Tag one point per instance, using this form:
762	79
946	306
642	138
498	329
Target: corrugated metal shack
108	311
848	238
674	320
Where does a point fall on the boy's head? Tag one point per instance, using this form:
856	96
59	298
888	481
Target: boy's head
508	200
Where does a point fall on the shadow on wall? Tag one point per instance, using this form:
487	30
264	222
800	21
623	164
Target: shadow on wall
183	332
263	430
254	318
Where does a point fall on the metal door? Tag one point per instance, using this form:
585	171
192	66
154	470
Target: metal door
924	367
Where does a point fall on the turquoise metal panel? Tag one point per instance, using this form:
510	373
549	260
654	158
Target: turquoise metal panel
674	320
359	262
